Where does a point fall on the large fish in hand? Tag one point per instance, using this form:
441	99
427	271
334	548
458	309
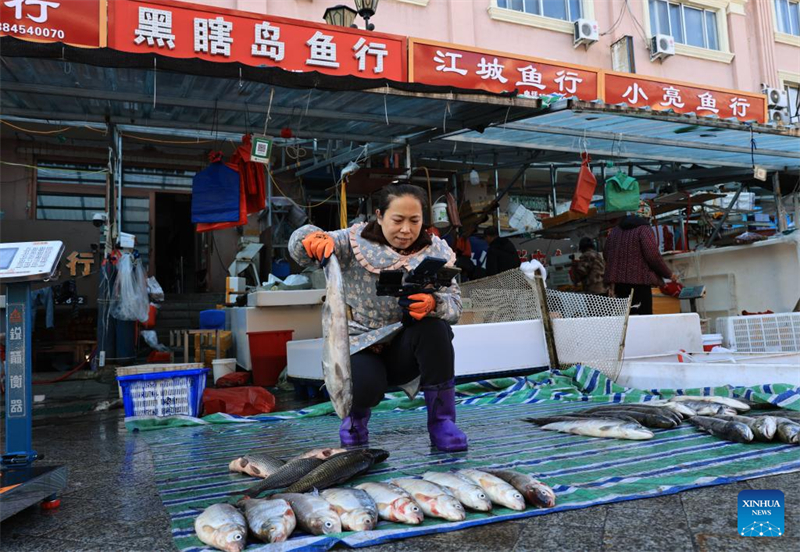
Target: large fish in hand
336	341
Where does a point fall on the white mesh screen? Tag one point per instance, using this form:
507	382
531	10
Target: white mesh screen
588	329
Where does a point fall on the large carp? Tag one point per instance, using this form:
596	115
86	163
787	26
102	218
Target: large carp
336	342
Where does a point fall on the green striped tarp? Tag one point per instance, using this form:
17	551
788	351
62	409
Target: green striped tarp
192	462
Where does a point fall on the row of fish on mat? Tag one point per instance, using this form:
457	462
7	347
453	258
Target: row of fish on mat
719	416
408	500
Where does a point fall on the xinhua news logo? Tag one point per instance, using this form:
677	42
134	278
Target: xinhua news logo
761	514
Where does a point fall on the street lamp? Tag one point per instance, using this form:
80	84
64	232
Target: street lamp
342	16
366	9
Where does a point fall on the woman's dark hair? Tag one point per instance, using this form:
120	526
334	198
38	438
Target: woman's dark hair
393	191
585	244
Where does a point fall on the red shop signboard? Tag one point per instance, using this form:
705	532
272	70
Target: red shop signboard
181	30
639	91
74	22
437	63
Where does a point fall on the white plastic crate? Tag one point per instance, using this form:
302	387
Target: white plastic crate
761	333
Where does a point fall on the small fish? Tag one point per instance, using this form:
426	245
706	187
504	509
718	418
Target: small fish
434	500
322	454
314	515
544	420
534	491
646	416
336	341
256	464
335	470
287	474
223	527
680	408
726	401
763	427
469	493
497	490
602	427
730	431
355	507
788	430
394	504
705	408
269	520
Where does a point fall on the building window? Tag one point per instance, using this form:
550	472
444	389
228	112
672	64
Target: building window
687	25
567	10
787	16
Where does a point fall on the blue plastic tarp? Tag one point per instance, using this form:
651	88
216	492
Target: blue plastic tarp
215	194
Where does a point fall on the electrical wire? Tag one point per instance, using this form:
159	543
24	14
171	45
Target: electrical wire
275	183
616	23
52	168
42	132
157	141
639	26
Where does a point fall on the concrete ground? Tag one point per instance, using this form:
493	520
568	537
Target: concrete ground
111	503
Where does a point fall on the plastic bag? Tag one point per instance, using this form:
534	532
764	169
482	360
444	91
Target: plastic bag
240	401
154	289
151	339
584	190
130	300
531	268
622	193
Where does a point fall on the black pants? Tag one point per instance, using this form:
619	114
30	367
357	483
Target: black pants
642	297
423	349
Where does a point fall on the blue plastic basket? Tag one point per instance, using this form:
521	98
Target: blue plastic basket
163	393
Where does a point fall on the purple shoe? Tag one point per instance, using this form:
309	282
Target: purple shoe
441	402
353	432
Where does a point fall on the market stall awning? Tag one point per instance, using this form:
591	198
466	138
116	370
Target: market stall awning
611	131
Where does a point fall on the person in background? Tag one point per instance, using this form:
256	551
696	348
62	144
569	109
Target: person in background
588	271
502	254
633	262
384	351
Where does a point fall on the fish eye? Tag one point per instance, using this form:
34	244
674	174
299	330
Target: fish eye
237	537
328	524
482	496
414	509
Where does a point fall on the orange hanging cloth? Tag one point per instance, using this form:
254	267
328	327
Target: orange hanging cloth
252	176
584	190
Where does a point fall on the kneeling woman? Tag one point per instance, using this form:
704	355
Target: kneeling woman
384	352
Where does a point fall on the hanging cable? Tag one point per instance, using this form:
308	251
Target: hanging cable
55	169
616	23
42	132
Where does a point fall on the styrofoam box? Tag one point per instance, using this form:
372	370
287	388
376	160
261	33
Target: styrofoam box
761	333
514	346
285	298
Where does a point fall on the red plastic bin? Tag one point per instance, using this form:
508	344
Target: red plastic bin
268	355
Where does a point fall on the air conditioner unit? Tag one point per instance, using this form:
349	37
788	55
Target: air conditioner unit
779	116
586	32
661	46
777	98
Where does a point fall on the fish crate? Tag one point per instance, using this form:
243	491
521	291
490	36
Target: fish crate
163	393
150	368
761	333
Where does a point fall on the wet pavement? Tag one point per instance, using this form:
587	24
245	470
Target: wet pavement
111	503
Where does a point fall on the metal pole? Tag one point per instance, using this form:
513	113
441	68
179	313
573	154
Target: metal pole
553	179
547	322
725	214
497	194
780	212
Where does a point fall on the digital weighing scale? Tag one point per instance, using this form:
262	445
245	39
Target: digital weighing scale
22	484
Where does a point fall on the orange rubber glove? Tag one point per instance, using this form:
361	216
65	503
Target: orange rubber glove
319	245
418	305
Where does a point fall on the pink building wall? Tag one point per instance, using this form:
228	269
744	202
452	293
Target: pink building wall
757	56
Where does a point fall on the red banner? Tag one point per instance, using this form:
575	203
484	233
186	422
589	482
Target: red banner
450	65
181	30
75	22
637	91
